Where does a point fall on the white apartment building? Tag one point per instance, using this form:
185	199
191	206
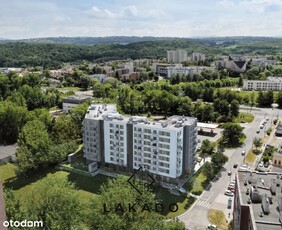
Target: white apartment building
198	57
176	56
191	70
165	149
272	83
160	149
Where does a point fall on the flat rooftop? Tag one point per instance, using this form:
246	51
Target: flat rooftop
259	183
207	125
76	99
109	112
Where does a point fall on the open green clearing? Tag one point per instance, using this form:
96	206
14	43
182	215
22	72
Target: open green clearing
244	117
198	183
88	187
217	217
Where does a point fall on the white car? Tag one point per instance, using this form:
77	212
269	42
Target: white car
212	226
261	164
228	193
243	153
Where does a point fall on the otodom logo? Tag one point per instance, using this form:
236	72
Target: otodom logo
141	180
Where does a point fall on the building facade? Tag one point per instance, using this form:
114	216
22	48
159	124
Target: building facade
198	57
72	101
272	83
165	149
176	56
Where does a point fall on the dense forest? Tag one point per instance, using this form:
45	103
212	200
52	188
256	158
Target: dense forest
55	54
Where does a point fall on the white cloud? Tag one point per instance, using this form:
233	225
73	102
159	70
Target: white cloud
226	3
45	18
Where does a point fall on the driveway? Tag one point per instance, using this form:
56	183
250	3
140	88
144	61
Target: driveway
7	150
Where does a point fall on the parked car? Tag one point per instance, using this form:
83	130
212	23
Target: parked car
261	164
258	131
229	173
212	227
228	193
231	186
235	166
229	204
266	164
248	191
243	153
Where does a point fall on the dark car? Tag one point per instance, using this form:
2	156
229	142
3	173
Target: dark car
266	164
235	166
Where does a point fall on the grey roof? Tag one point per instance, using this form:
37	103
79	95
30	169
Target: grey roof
260	183
75	99
109	112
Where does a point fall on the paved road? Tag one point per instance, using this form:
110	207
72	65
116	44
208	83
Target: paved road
214	198
7	150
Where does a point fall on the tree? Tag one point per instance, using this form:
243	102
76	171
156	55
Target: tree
31	79
54	200
222	107
232	134
85	82
234	108
17	98
240	82
119	192
207	147
34	144
279	99
185	106
12	119
218	160
265	99
13	207
208	170
65	130
78	113
4	87
208	113
257	142
33	96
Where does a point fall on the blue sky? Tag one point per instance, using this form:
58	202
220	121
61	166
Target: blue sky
172	18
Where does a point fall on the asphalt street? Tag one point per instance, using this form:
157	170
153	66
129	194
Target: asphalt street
213	198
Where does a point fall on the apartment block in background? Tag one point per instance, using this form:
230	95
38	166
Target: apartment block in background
72	101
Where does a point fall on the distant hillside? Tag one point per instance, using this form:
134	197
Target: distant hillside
35	52
96	40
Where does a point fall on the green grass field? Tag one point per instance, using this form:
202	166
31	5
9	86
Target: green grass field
87	187
244	117
250	157
198	184
217	217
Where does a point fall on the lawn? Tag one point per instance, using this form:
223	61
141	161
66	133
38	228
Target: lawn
198	183
217	217
250	157
244	117
249	93
87	186
166	198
